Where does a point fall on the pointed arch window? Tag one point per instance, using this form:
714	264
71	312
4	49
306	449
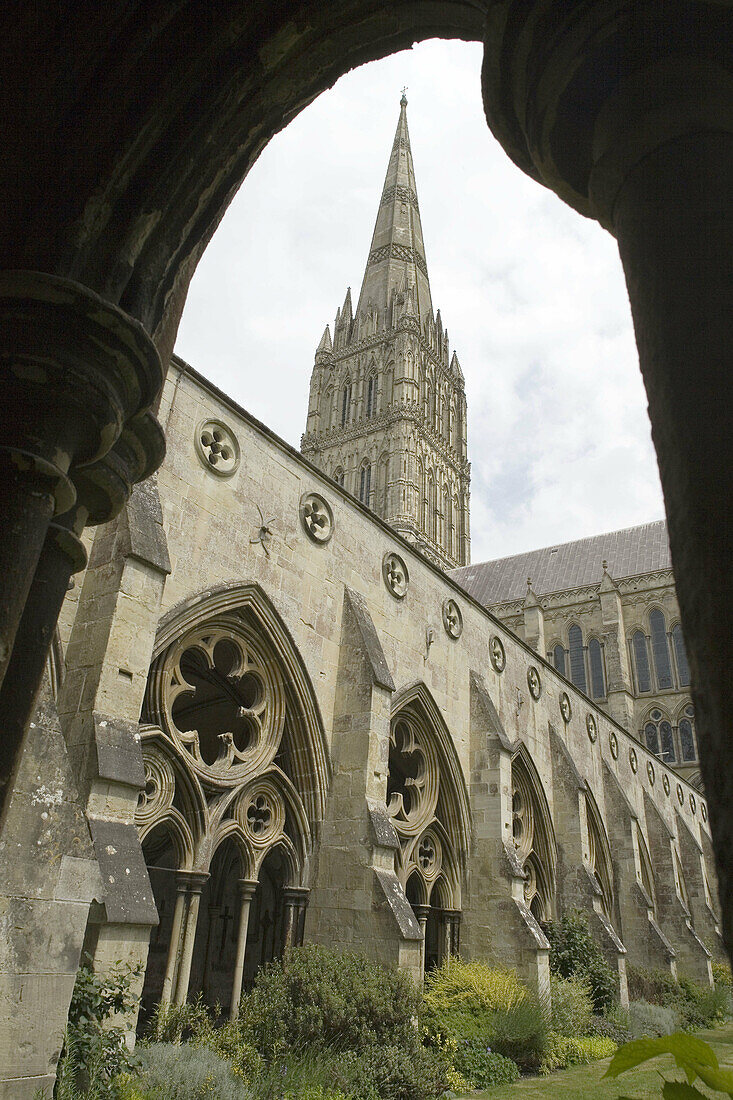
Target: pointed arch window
667	741
687	736
577	662
660	649
371	395
680	654
651	736
595	661
558	659
345	403
641	661
365	483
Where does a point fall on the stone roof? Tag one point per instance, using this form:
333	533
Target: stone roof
629	552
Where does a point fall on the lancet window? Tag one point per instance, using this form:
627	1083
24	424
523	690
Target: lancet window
533	838
599	856
345	404
365	483
428	805
235	775
371	397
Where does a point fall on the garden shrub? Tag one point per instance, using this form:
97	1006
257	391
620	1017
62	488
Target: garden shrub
722	974
167	1071
650	1020
316	998
696	1005
481	1066
657	987
614	1024
572	1006
575	954
474	1001
394	1073
565	1050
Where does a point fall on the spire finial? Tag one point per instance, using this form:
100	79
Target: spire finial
403	101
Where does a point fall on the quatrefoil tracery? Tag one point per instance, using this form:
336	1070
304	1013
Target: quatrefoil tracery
157	794
412	787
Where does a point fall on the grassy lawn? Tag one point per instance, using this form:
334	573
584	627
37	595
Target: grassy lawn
584	1082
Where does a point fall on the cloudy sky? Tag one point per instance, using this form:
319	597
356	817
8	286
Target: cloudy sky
532	294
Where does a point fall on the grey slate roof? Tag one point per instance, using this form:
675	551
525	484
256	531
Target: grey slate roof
629	552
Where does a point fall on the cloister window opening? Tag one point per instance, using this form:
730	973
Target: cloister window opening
669	656
670	744
583	664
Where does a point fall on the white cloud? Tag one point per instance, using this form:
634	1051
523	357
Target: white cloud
532	294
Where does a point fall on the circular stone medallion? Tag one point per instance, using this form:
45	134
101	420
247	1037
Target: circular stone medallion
613	744
693	803
665	784
704	811
497	653
566	709
533	682
452	619
632	759
396	577
316	517
217	447
680	795
592	726
650	772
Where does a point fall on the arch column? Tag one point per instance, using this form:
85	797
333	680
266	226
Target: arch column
626	111
422	912
450	928
295	902
195	882
247	890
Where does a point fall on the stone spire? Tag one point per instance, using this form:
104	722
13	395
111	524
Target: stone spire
396	259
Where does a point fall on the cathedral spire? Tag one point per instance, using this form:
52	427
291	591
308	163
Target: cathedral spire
397	254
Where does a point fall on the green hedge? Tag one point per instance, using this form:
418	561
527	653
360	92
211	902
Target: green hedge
563	1051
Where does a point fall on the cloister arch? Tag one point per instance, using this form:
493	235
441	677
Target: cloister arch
236	771
533	835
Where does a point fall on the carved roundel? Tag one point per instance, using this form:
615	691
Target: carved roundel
566	709
452	619
316	517
633	760
650	772
704	811
395	574
665	784
261	813
592	726
217	447
428	855
157	794
693	803
680	795
613	744
533	682
497	653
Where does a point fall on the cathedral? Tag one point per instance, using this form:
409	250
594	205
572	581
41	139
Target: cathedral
282	705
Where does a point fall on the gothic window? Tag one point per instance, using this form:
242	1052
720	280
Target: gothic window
432	506
651	736
371	394
667	742
659	737
577	661
595	660
680	653
641	661
345	404
660	649
384	485
533	838
558	658
687	736
599	855
448	520
365	483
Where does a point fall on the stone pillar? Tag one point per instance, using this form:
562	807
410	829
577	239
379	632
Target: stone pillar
194	888
295	901
618	672
422	912
174	948
626	111
247	891
534	622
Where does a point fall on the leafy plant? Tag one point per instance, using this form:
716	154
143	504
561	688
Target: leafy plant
167	1071
482	1066
722	974
696	1058
566	1050
649	1020
613	1024
572	1006
575	954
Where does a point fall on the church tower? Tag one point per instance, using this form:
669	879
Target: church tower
387	408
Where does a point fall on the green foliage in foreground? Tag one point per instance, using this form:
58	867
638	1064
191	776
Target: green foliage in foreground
575	954
693	1056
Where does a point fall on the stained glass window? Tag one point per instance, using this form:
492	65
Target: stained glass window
683	669
660	649
595	660
641	660
577	663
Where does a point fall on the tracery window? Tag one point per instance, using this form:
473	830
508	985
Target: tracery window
660	649
641	661
680	653
345	404
599	856
659	737
533	838
371	393
577	661
688	745
595	662
558	658
365	483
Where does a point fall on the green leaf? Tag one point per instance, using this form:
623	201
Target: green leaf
680	1090
719	1079
688	1052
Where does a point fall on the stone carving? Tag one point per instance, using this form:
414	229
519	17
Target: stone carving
534	683
405	194
592	726
398	252
261	813
613	744
157	794
265	532
693	803
452	619
497	653
633	760
704	811
395	574
650	772
680	795
566	709
217	447
429	855
412	791
316	517
665	783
